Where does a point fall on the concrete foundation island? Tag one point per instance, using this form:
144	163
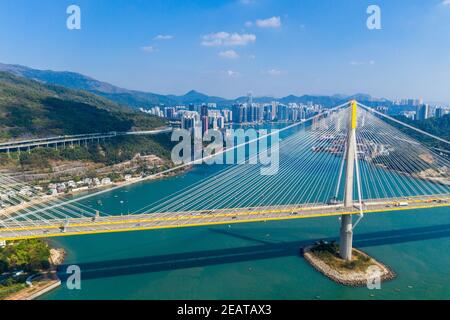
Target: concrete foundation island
362	270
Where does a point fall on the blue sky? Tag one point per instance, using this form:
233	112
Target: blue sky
227	48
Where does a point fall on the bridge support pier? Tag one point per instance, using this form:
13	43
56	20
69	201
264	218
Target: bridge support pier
346	233
346	237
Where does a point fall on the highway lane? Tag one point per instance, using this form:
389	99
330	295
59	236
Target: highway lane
108	224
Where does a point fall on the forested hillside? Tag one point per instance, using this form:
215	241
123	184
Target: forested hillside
31	109
437	126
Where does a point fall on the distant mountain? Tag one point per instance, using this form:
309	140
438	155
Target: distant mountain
138	99
29	108
196	98
131	98
66	79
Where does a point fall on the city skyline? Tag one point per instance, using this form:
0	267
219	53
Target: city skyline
231	47
224	150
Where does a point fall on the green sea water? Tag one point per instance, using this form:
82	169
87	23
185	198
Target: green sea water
250	261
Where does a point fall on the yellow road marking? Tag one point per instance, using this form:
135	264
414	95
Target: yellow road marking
184	217
220	222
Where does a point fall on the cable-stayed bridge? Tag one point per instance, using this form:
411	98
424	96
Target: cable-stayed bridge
349	160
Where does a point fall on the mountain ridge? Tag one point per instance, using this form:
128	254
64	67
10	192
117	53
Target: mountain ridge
30	108
138	99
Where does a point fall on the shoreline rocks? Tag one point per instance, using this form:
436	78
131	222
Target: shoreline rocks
347	278
57	256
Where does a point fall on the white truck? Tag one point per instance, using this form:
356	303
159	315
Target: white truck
401	204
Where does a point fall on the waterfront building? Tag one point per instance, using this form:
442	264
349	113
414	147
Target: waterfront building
440	112
260	113
252	113
106	181
227	115
274	107
267	109
382	109
239	113
204	110
423	112
169	113
220	122
204	117
214	113
302	114
212	122
189	120
293	114
205	124
409	114
282	113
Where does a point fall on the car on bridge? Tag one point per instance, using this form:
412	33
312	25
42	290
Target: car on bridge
401	204
333	201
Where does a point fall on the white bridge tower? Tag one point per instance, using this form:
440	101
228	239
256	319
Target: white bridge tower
346	232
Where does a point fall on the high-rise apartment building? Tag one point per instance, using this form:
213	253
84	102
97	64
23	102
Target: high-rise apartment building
423	112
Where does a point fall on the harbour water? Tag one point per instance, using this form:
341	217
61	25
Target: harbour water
250	261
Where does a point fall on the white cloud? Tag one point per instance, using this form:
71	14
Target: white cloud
227	39
274	22
274	72
361	63
164	37
229	54
232	74
149	49
446	2
248	24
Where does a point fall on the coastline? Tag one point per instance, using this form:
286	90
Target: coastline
348	278
49	280
48	198
41	284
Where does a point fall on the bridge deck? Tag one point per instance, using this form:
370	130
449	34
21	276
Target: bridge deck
109	224
32	143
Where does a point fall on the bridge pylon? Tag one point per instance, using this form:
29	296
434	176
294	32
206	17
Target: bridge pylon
346	232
